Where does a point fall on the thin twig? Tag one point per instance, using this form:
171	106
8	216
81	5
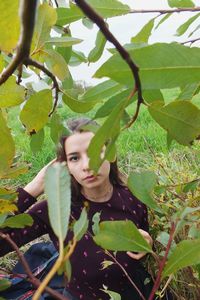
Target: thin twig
28	10
34	63
191	41
56	3
163	262
127	275
36	282
164	11
97	19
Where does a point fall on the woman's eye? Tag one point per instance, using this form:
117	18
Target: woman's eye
73	158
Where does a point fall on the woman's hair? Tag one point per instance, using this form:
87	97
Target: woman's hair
78	126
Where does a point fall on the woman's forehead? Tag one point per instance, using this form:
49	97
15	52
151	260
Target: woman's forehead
78	141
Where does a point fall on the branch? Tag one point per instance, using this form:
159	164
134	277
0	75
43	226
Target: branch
191	41
36	282
31	62
163	262
56	3
165	11
27	15
97	19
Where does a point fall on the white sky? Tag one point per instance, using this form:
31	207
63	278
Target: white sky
125	27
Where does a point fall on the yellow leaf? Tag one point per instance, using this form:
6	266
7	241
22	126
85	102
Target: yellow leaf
11	94
34	114
9	25
46	18
6	206
7	146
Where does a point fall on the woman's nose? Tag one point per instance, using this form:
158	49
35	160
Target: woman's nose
86	163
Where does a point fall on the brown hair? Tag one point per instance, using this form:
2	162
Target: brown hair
77	126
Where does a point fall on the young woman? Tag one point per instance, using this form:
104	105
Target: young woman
105	193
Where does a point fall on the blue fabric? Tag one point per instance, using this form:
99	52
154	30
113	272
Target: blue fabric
40	257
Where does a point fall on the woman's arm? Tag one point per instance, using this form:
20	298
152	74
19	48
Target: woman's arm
40	226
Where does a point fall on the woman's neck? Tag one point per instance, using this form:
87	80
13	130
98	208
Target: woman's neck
99	194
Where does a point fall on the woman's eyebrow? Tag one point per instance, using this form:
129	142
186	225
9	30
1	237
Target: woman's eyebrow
72	153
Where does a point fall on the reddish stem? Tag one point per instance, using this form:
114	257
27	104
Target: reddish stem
163	262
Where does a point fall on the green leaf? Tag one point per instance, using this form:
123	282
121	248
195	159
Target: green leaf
58	190
18	221
188	91
185	254
11	94
161	66
95	222
87	23
181	3
81	226
113	295
108	131
9	25
163	238
121	236
7	149
151	96
163	19
68	15
2	218
56	63
108	9
34	114
37	141
183	28
181	119
194	30
145	32
63	41
77	105
68	270
57	128
191	186
142	185
97	51
111	103
4	284
46	18
77	57
102	91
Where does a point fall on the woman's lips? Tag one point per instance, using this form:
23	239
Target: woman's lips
90	178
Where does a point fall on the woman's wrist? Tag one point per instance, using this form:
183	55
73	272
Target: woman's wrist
34	189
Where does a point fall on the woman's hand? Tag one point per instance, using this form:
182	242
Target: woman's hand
149	240
36	186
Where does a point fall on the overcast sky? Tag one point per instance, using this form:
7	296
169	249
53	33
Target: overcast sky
125	27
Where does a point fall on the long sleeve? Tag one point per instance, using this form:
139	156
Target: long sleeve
25	200
144	224
40	226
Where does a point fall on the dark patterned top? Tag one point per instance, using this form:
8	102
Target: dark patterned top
88	277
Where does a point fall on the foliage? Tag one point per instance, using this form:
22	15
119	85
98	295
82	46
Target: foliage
161	66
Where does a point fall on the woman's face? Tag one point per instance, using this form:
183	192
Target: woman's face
76	147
